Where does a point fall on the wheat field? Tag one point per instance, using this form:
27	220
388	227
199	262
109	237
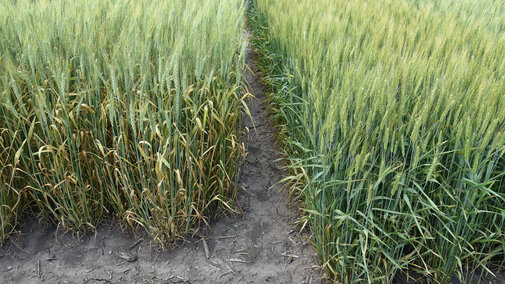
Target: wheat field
391	114
393	118
129	109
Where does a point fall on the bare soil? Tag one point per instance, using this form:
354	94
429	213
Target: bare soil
260	246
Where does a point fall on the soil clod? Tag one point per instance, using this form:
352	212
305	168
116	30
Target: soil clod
128	257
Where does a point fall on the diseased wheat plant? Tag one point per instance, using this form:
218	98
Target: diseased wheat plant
129	108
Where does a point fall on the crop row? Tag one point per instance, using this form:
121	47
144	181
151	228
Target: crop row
125	108
393	116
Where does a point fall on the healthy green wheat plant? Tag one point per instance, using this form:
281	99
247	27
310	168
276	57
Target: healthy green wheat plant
394	112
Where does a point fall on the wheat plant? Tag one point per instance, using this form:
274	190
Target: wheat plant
126	108
394	115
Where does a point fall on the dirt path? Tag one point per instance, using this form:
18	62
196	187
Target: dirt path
258	247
